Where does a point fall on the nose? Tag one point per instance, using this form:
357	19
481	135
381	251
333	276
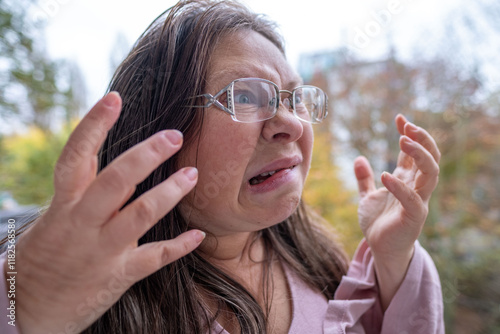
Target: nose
284	126
287	102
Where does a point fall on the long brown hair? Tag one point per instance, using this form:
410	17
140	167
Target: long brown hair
167	66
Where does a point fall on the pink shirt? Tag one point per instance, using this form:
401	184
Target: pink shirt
417	306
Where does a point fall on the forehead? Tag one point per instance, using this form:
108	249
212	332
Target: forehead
248	54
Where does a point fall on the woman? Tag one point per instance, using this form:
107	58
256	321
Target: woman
153	245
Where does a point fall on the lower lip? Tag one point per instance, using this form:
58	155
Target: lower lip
274	182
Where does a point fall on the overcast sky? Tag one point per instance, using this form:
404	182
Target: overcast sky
86	30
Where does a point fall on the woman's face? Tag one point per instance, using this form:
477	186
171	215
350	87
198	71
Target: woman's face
228	198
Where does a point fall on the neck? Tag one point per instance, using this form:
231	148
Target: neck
235	251
241	256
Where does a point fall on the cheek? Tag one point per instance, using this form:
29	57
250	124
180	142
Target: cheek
220	171
218	181
222	157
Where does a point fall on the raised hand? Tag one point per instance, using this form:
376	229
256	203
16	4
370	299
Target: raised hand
81	255
392	218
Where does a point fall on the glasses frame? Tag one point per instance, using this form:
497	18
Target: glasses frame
229	90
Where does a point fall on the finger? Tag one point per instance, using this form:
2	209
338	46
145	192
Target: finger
404	160
421	136
150	257
427	180
364	175
77	164
413	205
400	121
112	186
139	216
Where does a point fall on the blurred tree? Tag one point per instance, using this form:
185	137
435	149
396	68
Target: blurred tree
325	191
327	195
39	92
33	88
366	97
462	231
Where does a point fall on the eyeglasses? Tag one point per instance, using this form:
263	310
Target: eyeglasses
250	100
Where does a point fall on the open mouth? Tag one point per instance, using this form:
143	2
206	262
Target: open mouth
266	175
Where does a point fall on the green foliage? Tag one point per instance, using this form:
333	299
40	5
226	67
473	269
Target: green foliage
27	164
41	88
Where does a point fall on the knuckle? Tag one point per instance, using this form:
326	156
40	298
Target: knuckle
432	170
69	147
179	186
114	179
426	142
429	139
186	247
417	156
70	155
438	156
154	260
157	149
437	170
168	253
430	144
165	256
145	210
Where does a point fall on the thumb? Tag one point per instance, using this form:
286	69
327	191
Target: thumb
364	175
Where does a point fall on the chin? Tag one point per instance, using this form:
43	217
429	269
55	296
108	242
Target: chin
277	212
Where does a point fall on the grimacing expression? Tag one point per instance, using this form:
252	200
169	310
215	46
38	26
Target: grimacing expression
251	175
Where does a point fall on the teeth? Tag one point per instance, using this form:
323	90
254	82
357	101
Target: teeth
256	180
268	173
273	172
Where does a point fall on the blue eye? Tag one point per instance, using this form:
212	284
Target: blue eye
298	99
242	98
273	102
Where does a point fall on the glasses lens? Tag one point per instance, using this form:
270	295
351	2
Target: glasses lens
254	100
310	104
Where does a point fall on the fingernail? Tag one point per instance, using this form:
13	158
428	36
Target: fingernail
111	99
199	236
412	127
173	136
407	140
387	181
191	173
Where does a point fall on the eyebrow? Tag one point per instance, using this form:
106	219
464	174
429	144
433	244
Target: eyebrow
244	72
